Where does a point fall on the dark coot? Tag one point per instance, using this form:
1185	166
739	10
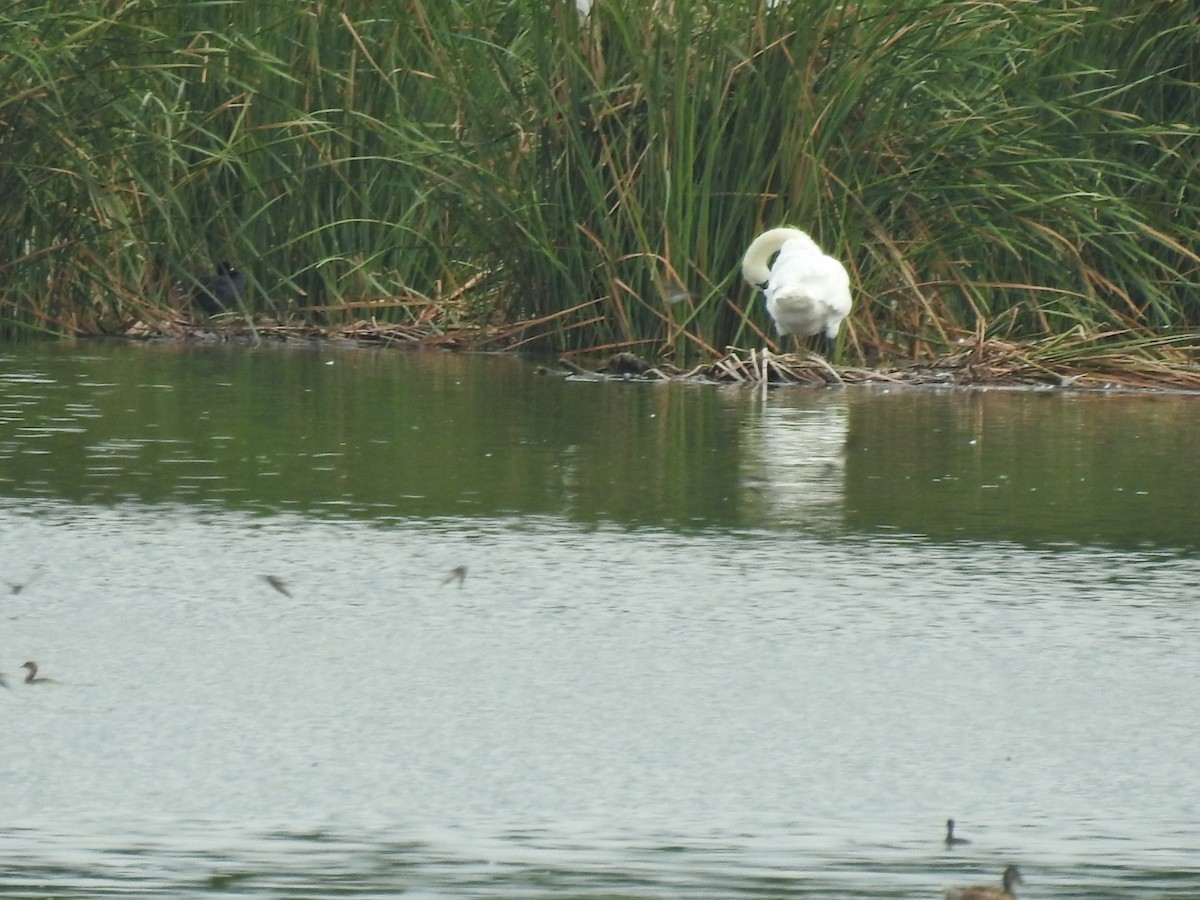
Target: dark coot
219	292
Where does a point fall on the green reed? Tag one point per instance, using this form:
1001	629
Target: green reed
488	161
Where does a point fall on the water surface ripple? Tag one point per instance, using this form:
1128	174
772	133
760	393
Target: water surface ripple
705	646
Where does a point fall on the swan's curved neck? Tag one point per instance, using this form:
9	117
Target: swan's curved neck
756	267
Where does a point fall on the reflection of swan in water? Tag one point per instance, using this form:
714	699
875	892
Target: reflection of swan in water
951	840
3	683
32	677
795	452
1011	877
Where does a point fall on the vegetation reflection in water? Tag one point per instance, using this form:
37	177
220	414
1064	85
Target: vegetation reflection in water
383	436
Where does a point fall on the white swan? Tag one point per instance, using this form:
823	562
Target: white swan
1011	877
807	292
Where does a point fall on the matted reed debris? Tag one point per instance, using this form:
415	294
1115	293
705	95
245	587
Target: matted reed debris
1112	360
361	333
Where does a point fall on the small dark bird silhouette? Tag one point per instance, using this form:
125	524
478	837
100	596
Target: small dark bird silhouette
219	292
32	677
278	583
16	587
458	573
951	840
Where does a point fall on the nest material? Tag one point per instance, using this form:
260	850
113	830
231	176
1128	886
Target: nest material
1164	365
1104	361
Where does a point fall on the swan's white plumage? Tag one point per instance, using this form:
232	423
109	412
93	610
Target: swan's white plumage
807	292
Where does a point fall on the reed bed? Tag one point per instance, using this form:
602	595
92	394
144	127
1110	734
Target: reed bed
507	173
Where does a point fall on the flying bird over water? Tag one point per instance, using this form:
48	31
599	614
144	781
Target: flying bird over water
807	292
278	583
458	573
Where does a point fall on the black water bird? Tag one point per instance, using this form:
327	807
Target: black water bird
33	677
219	292
951	840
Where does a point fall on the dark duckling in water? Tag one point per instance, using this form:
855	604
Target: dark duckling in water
219	292
951	840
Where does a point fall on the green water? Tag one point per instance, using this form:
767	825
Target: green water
1029	467
375	435
361	434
